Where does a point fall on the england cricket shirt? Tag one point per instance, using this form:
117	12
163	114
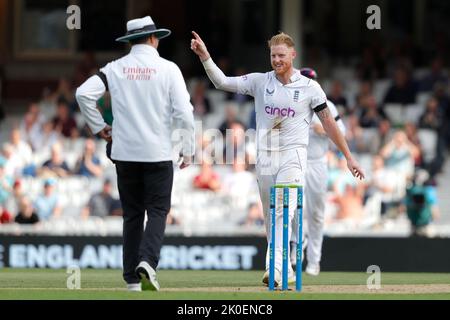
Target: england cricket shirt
283	112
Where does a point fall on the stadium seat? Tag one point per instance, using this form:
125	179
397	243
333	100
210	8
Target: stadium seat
368	134
428	141
419	73
365	160
395	113
422	98
380	89
413	112
372	211
343	73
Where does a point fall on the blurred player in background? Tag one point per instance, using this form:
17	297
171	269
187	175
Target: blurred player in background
315	190
285	102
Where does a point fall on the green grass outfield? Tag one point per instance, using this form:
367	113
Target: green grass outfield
45	284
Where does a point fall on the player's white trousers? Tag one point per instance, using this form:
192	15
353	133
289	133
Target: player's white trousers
284	167
314	207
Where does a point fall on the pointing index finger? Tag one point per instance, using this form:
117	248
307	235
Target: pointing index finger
197	37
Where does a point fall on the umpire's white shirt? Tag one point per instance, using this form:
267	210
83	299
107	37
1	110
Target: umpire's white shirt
147	92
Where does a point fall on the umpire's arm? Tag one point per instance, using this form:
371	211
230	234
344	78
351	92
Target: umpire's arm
87	96
182	112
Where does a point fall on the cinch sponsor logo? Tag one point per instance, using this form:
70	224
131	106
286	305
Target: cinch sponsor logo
275	111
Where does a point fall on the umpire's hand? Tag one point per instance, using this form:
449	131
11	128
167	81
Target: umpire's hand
105	134
186	162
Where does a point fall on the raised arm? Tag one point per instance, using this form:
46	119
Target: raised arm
217	77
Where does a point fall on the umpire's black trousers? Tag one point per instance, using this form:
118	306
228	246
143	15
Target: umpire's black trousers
143	187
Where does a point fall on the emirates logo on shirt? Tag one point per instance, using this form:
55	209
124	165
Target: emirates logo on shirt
138	73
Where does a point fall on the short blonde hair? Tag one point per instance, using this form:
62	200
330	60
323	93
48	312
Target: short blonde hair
281	38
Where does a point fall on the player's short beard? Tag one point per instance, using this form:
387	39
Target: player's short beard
285	68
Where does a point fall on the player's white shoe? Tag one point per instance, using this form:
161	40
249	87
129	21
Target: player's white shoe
134	287
313	269
265	279
291	277
148	277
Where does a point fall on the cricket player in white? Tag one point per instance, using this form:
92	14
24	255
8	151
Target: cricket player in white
285	102
315	190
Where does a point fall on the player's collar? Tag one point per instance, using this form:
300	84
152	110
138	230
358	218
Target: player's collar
296	76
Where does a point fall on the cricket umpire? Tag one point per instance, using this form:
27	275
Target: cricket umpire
148	97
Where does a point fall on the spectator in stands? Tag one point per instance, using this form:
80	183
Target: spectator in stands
412	135
207	179
103	204
441	93
354	134
205	149
236	145
47	104
85	68
11	165
56	166
5	216
341	177
200	101
231	113
255	215
434	119
431	117
403	89
399	154
436	74
6	183
239	185
26	214
381	138
31	125
372	65
47	137
21	149
2	76
337	95
350	204
365	90
63	122
383	182
12	203
47	204
421	205
89	164
371	115
443	98
65	93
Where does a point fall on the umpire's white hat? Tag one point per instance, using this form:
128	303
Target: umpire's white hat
138	28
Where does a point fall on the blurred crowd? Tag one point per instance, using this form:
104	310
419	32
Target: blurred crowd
51	144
